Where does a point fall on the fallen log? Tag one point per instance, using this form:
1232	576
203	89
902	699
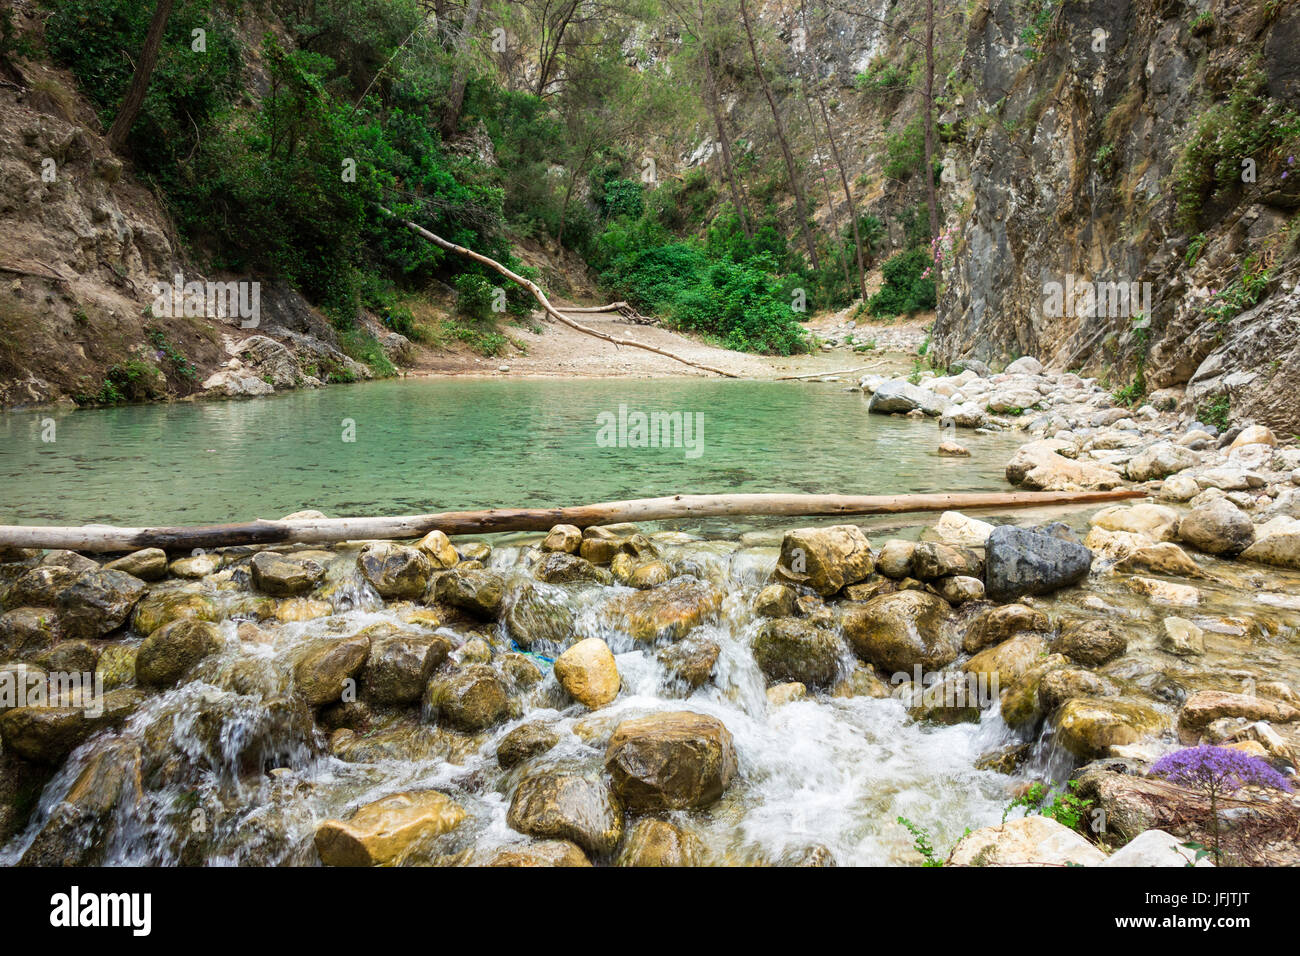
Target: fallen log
325	530
536	292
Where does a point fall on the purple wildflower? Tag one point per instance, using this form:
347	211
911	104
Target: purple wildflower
1217	769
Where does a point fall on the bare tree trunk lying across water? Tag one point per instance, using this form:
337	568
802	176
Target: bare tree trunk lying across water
545	303
325	530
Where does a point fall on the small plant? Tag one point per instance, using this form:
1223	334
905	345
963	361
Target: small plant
1194	249
1216	772
1066	807
915	377
1216	412
1202	23
921	842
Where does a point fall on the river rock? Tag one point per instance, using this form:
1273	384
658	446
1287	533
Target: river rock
25	631
284	575
670	761
172	651
1156	848
162	607
1165	592
195	566
395	571
1254	435
895	559
997	624
478	591
1020	702
789	649
539	853
400	663
116	666
539	617
387	830
40	587
1090	642
667	612
473	698
1063	684
690	661
1028	841
775	600
568	806
559	567
1003	664
46	735
563	537
1278	543
588	672
1163	558
1018	562
524	743
1179	488
1155	521
1182	637
147	564
900	631
324	673
1089	727
1160	461
1040	466
824	559
653	842
955	528
960	589
900	396
68	657
1206	706
71	560
437	547
84	823
931	560
1218	527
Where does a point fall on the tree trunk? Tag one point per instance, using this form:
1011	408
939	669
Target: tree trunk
930	196
135	93
724	146
544	302
550	49
800	204
830	201
324	530
456	92
848	197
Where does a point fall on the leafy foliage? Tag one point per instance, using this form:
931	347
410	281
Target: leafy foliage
906	288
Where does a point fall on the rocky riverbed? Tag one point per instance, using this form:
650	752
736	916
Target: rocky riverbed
609	695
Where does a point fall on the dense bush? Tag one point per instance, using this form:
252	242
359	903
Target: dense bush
739	303
907	285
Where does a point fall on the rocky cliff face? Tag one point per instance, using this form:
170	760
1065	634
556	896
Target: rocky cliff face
1122	142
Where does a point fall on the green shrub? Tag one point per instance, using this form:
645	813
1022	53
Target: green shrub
474	296
738	303
908	286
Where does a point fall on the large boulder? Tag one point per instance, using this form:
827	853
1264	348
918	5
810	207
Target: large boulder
1090	642
690	661
476	590
388	830
172	651
568	806
1021	703
1277	543
1040	466
40	586
284	575
1156	848
563	537
98	602
439	550
588	672
322	675
931	560
654	842
525	742
1019	562
1160	461
162	607
901	396
1206	706
825	559
147	564
1217	527
1028	841
897	632
400	663
667	612
789	649
395	571
473	698
1003	664
25	631
539	616
671	761
539	853
1089	727
1155	521
997	624
560	567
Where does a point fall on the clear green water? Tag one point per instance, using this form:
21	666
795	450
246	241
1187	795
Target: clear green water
435	445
